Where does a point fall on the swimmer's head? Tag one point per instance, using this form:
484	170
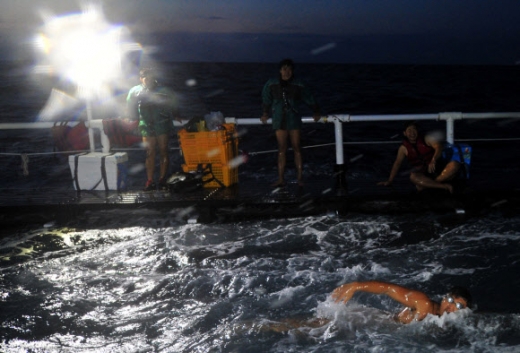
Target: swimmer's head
458	298
462	292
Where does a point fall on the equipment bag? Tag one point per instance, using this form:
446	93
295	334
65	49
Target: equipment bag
184	182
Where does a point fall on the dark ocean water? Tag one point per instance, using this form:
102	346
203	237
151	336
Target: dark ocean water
103	284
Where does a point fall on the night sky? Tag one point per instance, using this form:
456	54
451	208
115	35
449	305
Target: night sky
468	32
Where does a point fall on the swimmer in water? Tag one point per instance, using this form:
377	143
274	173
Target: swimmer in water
417	304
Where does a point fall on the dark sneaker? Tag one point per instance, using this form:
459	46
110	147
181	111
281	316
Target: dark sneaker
150	185
162	184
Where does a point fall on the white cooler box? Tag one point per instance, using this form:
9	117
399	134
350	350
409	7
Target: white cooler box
99	171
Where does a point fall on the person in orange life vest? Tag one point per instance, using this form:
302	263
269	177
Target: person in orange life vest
417	304
424	154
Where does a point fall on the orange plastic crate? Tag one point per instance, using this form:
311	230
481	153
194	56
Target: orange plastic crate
227	175
215	147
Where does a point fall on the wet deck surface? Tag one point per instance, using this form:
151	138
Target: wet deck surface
47	191
249	200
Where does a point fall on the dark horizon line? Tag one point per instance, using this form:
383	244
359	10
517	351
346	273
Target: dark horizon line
164	60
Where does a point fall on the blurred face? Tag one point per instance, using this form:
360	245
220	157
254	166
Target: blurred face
411	133
451	303
286	72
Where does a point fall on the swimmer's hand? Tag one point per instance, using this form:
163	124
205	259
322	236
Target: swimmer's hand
264	118
345	292
316	117
385	183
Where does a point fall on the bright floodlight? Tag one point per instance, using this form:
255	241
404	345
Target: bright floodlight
84	49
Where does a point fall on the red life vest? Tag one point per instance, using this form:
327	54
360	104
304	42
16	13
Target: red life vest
121	133
419	154
68	138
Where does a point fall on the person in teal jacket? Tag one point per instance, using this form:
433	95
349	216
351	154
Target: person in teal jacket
281	98
155	106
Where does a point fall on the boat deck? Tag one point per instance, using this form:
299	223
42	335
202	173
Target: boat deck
47	190
253	199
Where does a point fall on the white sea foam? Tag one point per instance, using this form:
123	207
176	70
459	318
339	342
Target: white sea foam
193	281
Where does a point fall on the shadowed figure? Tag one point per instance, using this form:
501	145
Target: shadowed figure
424	153
281	98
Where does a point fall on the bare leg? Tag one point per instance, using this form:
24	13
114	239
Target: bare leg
449	172
281	137
150	143
164	160
295	143
422	182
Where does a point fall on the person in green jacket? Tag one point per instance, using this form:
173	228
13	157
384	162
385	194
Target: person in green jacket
155	106
281	98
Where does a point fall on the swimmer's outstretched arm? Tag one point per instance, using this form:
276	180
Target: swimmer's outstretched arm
408	297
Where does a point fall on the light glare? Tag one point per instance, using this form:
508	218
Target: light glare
84	49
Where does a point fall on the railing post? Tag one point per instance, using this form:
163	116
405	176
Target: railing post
340	169
338	135
450	125
105	141
450	130
90	130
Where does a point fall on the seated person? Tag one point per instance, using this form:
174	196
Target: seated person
424	154
417	304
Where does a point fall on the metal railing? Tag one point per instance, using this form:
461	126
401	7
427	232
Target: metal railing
338	121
